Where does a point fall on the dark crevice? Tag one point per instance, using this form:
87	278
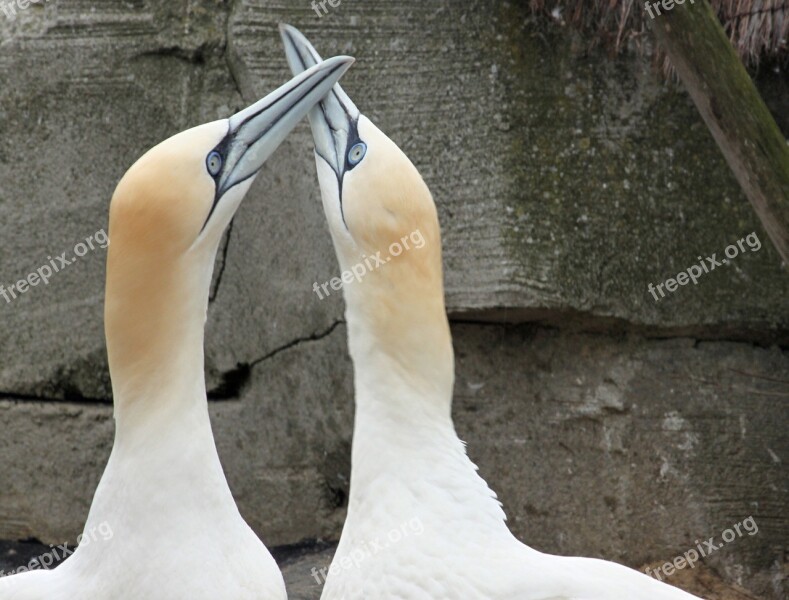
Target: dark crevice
232	384
66	399
574	321
234	77
767	341
235	381
193	56
293	552
232	68
337	497
312	338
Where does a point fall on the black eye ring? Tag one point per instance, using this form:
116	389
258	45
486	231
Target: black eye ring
357	153
214	163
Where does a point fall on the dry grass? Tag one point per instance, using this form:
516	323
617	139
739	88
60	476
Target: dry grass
758	29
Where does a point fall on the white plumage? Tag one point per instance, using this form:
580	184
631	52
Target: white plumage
176	532
422	524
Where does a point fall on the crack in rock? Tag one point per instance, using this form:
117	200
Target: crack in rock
235	380
573	321
315	337
193	56
79	400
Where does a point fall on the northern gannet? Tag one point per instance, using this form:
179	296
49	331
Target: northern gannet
408	464
176	531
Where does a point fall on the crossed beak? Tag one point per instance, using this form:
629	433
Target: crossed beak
257	131
335	118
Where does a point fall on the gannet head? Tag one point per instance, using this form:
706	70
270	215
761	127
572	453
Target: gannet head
383	221
181	195
373	195
169	212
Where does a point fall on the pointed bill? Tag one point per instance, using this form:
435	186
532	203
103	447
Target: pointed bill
257	131
334	119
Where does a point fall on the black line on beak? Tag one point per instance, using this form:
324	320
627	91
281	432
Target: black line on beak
226	143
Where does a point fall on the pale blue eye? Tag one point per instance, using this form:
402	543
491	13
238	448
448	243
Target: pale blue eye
214	163
357	153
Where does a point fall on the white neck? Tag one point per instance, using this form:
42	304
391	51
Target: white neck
164	456
404	438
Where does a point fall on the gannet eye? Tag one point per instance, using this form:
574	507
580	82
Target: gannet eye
357	153
214	163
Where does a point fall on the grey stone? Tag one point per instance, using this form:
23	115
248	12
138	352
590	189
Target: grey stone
567	182
620	447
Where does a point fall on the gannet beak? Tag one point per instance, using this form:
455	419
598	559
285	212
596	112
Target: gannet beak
256	132
334	119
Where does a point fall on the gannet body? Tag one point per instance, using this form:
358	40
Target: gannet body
176	533
422	524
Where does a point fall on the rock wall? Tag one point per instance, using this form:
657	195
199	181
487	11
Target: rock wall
610	423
